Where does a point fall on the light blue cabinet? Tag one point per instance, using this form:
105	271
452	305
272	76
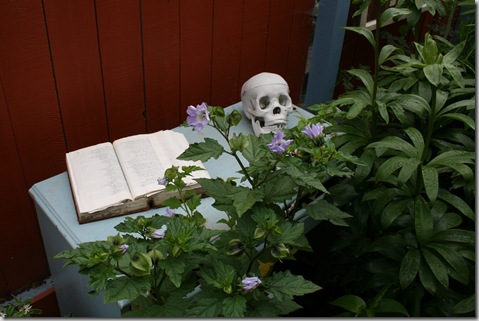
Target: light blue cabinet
61	231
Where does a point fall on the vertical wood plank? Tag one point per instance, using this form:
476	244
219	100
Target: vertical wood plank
27	79
300	39
196	29
161	54
227	22
76	60
279	37
254	38
22	257
119	30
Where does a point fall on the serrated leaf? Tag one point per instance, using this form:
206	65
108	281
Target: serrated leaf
234	307
174	267
350	302
122	288
202	151
322	210
423	222
409	267
293	234
303	177
207	307
436	266
283	285
254	149
430	178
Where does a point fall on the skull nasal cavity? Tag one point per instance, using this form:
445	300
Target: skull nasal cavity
276	110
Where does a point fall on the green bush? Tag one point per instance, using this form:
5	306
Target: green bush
410	245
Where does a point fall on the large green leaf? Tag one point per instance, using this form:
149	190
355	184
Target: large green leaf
390	13
431	182
396	143
351	303
322	210
284	285
423	222
385	53
207	305
365	32
409	267
125	288
365	78
417	140
408	170
234	306
454	259
458	156
463	118
392	211
387	305
457	202
433	73
202	151
427	277
437	267
465	306
454	53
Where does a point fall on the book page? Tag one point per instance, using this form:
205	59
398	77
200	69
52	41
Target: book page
145	158
96	177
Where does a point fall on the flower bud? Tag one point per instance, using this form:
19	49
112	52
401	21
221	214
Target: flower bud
235	247
156	255
279	251
141	265
115	240
259	233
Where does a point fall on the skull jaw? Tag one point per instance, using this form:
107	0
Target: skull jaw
260	127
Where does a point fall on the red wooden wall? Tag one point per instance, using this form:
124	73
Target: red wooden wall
79	72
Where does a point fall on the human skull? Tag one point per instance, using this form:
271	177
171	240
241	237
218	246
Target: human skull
266	102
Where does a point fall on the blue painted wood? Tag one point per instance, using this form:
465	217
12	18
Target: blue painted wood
326	50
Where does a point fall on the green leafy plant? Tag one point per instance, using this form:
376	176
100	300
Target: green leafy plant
19	308
173	265
411	122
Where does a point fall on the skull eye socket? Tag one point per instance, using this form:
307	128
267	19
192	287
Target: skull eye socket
263	102
284	100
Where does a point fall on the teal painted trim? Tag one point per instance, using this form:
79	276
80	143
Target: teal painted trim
326	50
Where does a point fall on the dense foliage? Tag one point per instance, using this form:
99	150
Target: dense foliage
410	246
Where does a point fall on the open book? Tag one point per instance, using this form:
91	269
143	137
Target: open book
112	179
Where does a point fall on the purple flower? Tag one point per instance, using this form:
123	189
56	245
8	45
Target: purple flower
158	234
313	131
279	144
250	283
124	247
198	116
162	181
170	212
